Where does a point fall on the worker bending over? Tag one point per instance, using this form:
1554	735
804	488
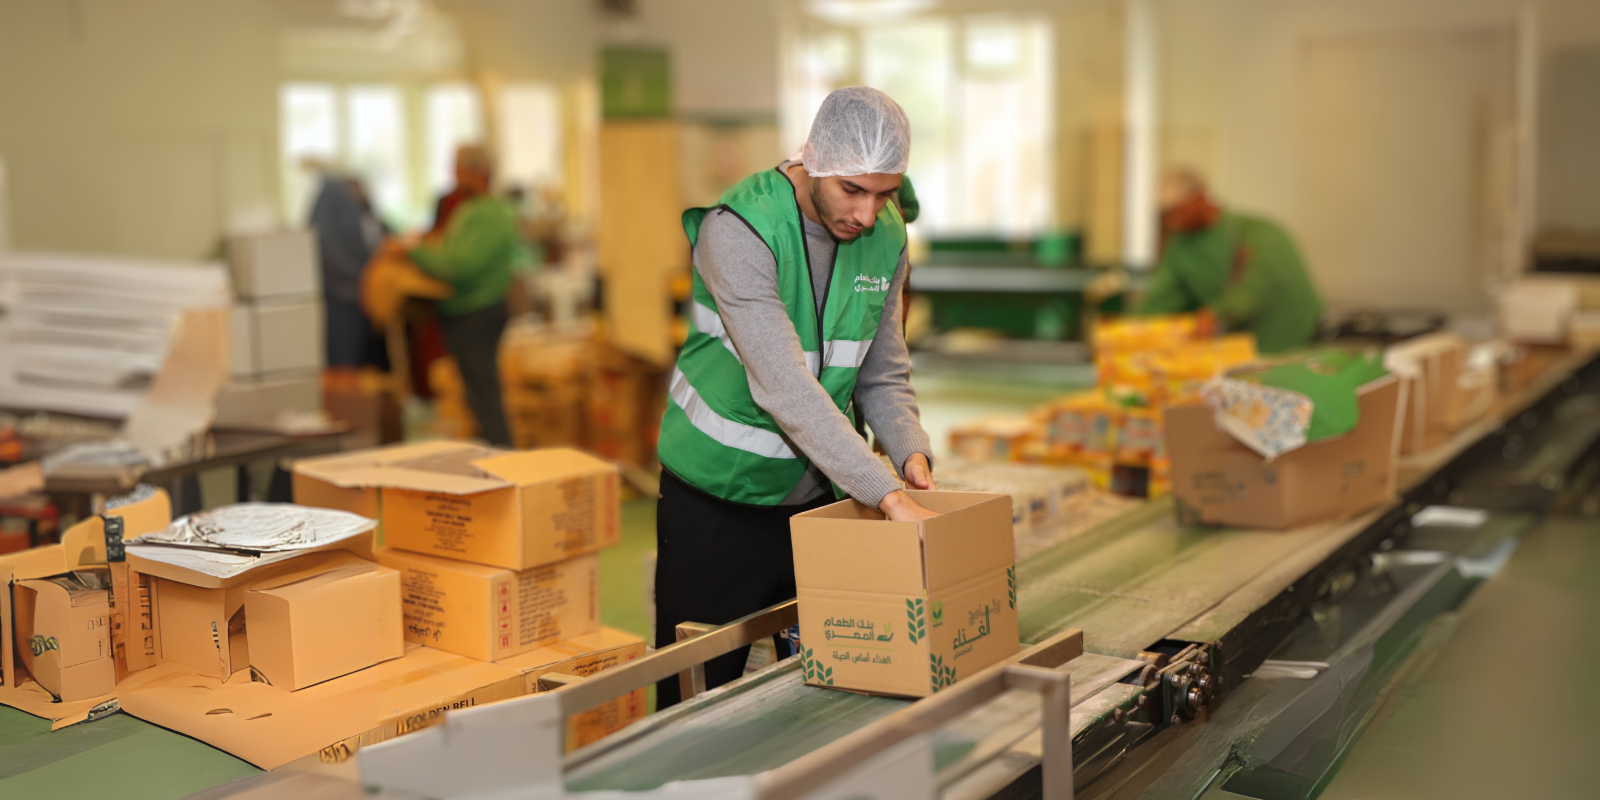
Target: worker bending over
794	329
1243	272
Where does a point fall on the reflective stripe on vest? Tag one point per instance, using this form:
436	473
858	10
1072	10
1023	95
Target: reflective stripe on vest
733	434
847	353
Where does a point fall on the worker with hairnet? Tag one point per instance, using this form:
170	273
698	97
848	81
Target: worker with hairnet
794	330
1241	273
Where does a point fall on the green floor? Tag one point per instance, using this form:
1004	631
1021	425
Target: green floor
1503	709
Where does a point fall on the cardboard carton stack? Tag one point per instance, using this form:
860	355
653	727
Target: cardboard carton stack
277	338
495	549
563	389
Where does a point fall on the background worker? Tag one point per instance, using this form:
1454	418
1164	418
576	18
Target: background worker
1242	273
794	317
476	253
348	233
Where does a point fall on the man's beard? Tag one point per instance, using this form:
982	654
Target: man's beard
825	212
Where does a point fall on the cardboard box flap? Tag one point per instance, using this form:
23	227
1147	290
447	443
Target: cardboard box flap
537	466
336	469
146	509
970	537
418	480
850	547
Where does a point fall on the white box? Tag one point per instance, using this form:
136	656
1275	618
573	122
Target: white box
277	337
256	403
1538	311
276	264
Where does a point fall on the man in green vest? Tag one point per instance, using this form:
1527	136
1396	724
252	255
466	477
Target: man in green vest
794	330
1241	273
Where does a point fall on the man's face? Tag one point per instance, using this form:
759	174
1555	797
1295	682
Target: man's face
848	205
472	179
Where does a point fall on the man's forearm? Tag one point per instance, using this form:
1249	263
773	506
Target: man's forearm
883	386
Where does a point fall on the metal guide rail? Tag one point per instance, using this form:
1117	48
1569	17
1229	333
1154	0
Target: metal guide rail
513	748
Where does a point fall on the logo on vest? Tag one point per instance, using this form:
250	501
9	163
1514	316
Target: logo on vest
866	284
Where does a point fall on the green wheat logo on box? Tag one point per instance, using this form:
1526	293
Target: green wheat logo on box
1011	586
915	629
942	675
813	671
938	613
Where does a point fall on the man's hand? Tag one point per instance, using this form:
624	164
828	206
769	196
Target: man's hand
899	507
919	475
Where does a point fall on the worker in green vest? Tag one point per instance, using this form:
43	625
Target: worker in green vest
1241	273
794	330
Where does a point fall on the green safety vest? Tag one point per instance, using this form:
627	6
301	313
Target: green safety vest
714	437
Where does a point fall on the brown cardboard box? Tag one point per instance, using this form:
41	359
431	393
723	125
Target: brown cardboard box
204	629
584	656
1218	481
64	634
303	630
904	608
513	510
490	613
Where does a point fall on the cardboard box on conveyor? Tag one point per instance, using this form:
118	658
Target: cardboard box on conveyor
904	608
1218	480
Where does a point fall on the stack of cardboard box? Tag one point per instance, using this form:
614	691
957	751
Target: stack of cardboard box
563	390
496	552
276	336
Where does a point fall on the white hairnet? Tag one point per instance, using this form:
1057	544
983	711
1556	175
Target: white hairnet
857	131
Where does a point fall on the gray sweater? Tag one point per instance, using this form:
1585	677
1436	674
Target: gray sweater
742	275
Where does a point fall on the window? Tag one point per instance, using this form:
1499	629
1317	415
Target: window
375	147
529	134
400	140
979	92
309	124
455	118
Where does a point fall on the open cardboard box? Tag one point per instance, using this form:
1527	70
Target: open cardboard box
516	510
1216	480
490	613
64	633
1444	393
904	608
584	656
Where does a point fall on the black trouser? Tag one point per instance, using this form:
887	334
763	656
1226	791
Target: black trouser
716	562
474	339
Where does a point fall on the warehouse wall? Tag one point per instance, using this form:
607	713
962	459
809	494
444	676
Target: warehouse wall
1236	100
142	128
1569	140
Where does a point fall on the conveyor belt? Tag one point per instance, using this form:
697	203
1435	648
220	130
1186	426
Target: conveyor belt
1128	584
